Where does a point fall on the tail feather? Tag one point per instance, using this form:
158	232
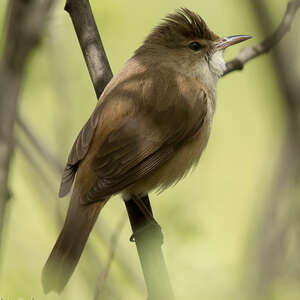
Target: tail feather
70	244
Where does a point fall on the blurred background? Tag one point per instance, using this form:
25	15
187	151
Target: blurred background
232	228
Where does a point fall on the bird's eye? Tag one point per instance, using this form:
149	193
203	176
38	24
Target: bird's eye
195	46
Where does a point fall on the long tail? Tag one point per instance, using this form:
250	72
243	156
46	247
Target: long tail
70	243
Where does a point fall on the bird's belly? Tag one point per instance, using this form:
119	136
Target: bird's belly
177	167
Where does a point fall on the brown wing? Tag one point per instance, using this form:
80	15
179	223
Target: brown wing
83	142
164	115
78	152
162	112
137	157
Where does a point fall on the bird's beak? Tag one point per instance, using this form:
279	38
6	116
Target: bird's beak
228	41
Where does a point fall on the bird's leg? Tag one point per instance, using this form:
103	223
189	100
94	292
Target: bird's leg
151	224
139	201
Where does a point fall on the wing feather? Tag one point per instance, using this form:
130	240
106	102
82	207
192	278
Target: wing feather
164	112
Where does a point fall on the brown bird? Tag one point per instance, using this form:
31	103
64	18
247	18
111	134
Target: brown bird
148	129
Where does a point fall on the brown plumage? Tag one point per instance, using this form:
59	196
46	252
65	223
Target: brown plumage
148	129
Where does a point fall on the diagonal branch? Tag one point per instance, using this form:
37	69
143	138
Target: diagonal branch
51	159
36	167
112	249
90	43
268	43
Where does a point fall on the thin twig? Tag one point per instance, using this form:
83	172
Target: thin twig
41	175
268	43
36	166
49	157
133	275
112	248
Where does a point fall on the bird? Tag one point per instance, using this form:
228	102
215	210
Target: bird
148	129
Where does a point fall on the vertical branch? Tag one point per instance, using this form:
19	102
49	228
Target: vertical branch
25	23
148	238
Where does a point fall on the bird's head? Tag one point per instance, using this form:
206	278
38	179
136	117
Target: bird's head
183	41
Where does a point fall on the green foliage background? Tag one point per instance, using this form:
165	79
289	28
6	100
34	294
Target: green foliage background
209	219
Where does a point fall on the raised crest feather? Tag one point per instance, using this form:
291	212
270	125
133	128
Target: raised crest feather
185	24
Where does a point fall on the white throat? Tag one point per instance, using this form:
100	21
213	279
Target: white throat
210	71
217	64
